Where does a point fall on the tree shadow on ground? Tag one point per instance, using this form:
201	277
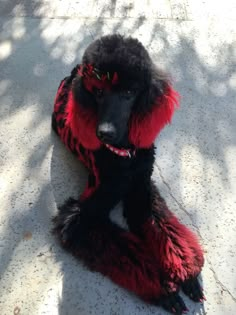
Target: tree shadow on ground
38	54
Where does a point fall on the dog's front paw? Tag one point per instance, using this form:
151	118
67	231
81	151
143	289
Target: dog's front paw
67	221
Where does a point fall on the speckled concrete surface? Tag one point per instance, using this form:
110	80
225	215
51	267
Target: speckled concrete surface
195	166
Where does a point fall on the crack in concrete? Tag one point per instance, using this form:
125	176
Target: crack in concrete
91	34
177	202
222	286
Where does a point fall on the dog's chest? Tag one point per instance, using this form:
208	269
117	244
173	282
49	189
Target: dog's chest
116	216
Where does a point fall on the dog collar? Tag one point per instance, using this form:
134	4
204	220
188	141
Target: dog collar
121	152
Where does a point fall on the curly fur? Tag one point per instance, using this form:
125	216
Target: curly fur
158	255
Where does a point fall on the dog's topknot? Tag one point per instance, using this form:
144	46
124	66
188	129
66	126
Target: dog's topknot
117	53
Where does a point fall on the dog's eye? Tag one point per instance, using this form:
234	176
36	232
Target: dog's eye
128	93
99	92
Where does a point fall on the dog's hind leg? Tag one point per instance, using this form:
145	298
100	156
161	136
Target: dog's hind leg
181	257
174	245
178	243
118	254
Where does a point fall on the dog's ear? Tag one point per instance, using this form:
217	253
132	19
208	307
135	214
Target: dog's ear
81	112
81	95
155	109
159	82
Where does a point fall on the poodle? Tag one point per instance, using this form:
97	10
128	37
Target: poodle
109	112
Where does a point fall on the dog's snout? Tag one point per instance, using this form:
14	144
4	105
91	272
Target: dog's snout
106	132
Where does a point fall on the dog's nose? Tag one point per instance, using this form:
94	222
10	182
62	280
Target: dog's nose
106	132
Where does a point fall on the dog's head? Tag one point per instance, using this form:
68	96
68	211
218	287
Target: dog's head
119	83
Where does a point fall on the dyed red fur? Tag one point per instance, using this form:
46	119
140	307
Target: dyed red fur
143	128
169	251
83	124
175	246
136	271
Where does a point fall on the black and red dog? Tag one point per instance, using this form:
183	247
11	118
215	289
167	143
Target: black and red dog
109	112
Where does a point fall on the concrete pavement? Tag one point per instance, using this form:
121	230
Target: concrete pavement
195	168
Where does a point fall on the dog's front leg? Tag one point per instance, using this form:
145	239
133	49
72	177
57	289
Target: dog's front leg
138	200
76	217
